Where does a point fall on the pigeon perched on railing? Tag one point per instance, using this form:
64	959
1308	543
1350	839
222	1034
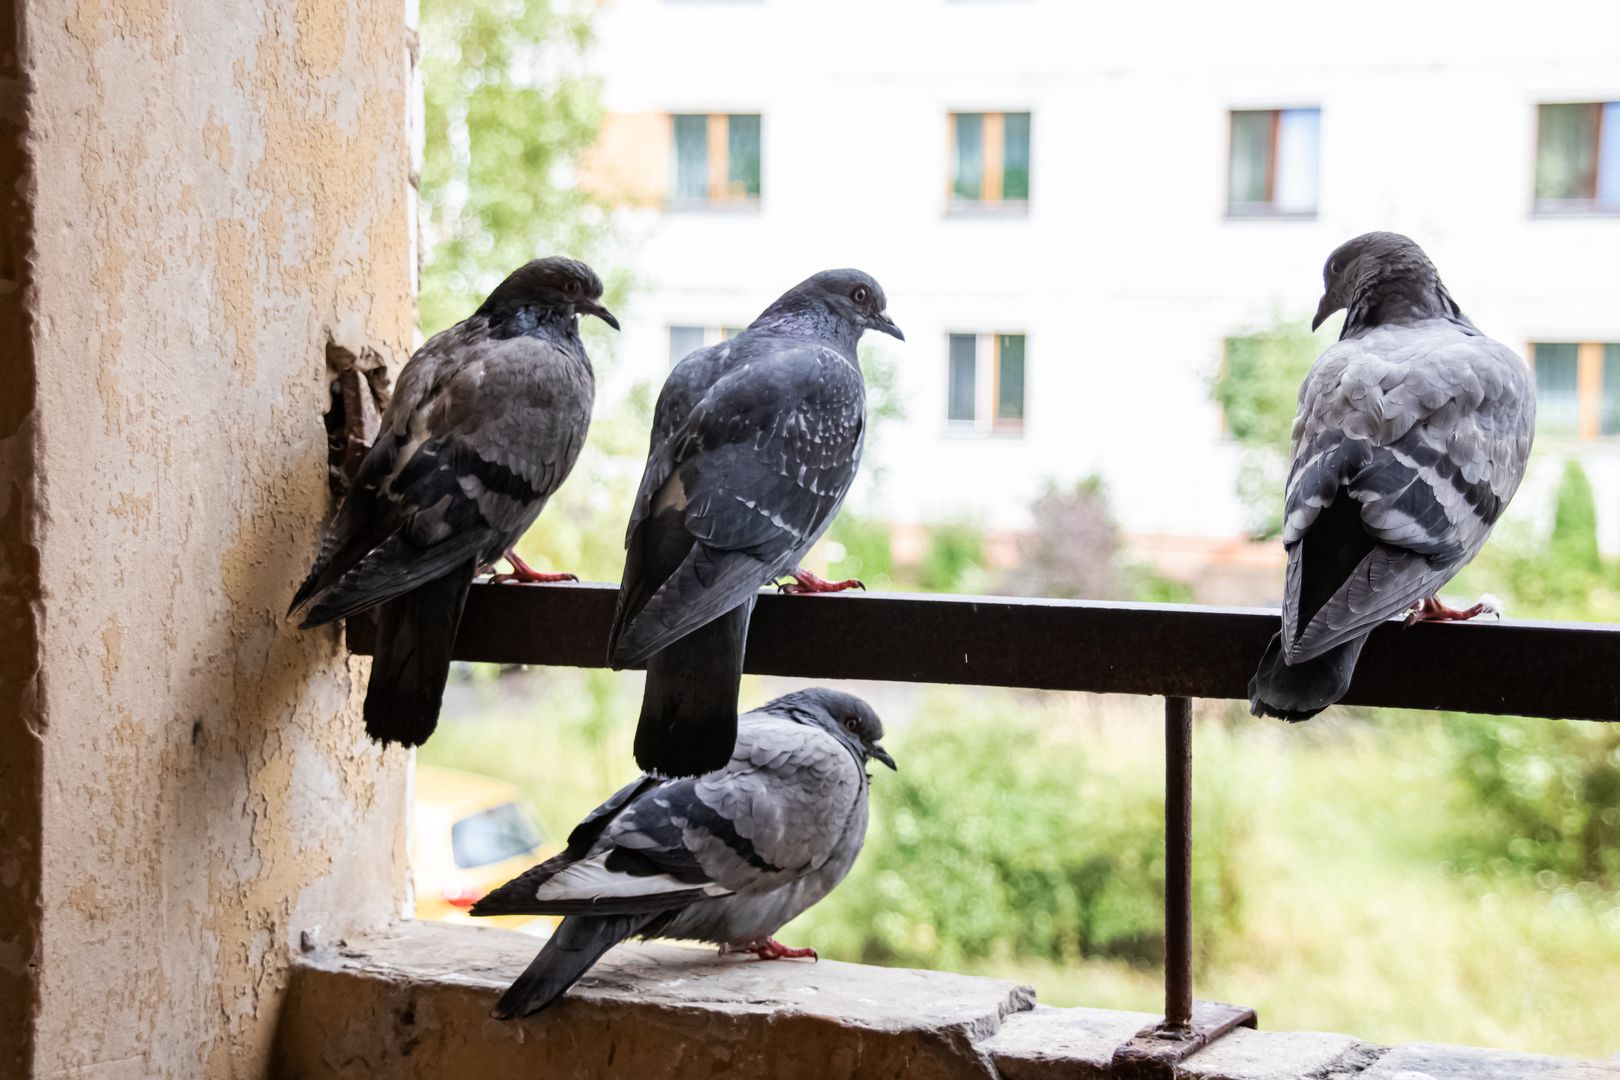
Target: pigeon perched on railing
486	421
1412	435
755	442
729	857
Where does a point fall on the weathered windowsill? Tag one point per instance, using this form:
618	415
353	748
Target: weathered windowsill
415	1001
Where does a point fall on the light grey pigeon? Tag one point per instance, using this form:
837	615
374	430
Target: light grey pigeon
1412	435
485	424
728	857
755	442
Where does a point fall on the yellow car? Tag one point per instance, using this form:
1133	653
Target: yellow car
470	834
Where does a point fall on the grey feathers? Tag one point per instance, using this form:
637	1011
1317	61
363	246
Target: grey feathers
486	421
755	443
728	857
1412	435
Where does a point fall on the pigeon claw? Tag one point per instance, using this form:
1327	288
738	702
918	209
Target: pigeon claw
771	949
804	582
1432	610
524	574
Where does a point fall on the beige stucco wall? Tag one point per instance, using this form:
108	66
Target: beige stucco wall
219	188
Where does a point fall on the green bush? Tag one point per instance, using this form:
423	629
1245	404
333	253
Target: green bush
954	553
867	551
1257	389
998	840
1573	547
1548	795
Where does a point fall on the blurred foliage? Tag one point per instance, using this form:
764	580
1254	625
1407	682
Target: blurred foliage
1573	546
860	548
507	114
1548	798
507	111
1073	551
1258	392
954	561
1072	548
999	838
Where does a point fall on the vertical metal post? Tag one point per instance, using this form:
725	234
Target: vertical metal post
1178	993
1155	1052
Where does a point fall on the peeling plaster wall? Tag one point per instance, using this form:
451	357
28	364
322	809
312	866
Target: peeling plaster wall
221	189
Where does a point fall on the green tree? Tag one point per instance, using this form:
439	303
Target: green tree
1258	392
1574	543
506	116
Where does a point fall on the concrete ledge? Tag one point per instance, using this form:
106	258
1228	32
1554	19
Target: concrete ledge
414	1001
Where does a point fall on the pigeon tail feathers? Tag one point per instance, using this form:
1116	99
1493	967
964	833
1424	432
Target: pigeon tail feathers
578	942
1296	692
688	720
415	634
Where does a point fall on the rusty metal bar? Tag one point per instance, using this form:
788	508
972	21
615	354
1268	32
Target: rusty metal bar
1178	990
1569	671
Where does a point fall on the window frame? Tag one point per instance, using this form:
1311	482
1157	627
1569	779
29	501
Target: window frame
992	200
1270	209
719	193
987	419
711	334
1592	377
1606	112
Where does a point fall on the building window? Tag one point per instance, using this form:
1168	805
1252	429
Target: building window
1578	157
990	160
1577	389
985	382
716	158
1274	162
685	340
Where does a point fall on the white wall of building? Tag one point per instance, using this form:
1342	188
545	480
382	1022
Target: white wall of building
1126	274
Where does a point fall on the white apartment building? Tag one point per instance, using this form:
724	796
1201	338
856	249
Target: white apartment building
1072	206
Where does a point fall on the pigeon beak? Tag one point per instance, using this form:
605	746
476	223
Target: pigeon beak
1327	307
883	755
886	324
590	307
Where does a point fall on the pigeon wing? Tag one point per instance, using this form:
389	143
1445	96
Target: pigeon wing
1408	445
472	444
739	492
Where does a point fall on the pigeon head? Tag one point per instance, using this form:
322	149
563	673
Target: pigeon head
838	300
849	719
1381	277
564	285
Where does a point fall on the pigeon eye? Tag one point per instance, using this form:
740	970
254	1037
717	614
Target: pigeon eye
849	722
573	288
861	294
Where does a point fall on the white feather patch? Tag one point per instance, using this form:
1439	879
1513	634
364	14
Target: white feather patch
591	880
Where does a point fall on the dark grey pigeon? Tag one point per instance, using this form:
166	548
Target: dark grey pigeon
1412	435
755	442
728	858
485	424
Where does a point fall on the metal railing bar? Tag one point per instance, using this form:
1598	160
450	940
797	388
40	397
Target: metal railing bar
1178	975
1555	670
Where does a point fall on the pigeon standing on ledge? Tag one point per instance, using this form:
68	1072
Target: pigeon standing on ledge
485	424
755	442
1412	435
727	858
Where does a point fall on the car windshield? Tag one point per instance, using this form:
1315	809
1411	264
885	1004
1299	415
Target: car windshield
499	833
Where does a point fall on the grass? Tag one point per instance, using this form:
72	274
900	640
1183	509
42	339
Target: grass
1352	917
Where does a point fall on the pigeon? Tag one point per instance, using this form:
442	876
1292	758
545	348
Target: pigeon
726	858
1412	436
486	421
755	442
